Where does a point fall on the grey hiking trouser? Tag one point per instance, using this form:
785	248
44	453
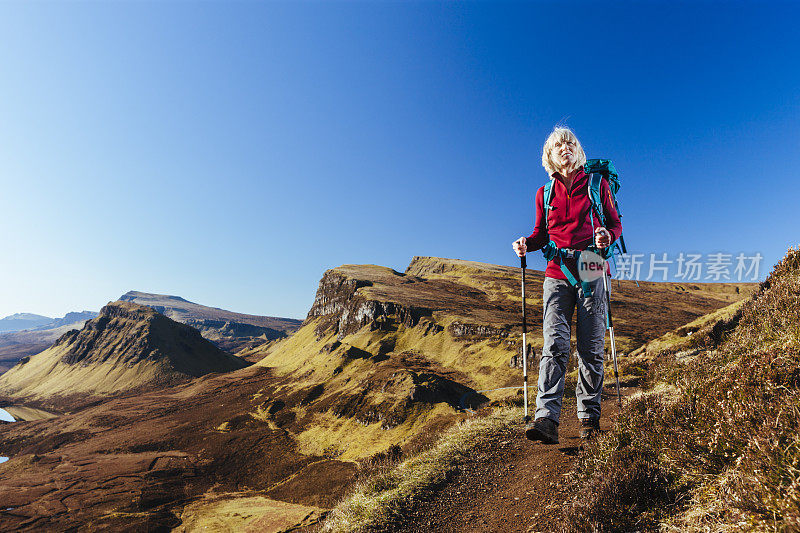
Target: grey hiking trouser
560	299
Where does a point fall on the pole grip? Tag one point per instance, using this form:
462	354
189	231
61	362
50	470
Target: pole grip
523	262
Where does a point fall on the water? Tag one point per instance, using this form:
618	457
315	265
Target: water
20	413
7	418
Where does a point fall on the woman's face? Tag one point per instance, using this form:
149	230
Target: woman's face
564	153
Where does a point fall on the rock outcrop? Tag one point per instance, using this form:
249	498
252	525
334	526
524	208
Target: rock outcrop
459	329
351	297
347	309
337	299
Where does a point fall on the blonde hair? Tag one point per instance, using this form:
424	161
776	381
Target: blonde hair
561	133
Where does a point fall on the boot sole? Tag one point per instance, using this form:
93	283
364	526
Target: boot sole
537	434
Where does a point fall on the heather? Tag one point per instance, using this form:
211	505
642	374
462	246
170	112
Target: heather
713	443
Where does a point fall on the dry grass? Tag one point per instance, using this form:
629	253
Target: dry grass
696	333
715	446
241	511
381	499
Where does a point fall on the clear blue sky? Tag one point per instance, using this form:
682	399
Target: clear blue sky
231	152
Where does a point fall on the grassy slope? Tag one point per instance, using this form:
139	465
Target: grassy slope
302	355
45	376
714	444
686	337
378	500
249	512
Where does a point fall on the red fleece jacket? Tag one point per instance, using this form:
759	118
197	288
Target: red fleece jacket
569	224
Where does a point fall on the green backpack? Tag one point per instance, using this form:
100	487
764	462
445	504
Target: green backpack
597	169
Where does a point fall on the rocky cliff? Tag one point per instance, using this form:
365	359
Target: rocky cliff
342	307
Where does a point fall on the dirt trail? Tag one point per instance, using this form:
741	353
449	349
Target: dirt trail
512	485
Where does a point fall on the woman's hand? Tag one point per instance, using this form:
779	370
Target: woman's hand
520	246
602	238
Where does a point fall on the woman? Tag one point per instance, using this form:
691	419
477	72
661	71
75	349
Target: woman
571	225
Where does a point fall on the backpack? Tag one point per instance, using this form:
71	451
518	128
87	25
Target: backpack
597	169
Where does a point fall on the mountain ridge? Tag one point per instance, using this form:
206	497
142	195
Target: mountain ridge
229	330
22	321
16	345
127	346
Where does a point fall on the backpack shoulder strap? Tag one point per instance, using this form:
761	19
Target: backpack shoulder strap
547	200
595	179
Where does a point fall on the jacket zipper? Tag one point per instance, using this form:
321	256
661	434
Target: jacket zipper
569	199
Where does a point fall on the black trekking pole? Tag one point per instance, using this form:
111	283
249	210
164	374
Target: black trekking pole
611	333
524	344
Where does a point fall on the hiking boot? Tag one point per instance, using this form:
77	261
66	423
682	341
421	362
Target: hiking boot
590	427
543	429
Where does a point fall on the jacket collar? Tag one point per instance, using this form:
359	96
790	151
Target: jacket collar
578	177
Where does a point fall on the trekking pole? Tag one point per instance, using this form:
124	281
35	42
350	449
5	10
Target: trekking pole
524	344
610	326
